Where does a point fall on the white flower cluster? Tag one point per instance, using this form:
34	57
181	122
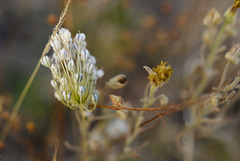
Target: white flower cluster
73	69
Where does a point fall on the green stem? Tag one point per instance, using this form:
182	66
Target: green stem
189	136
150	100
18	104
84	135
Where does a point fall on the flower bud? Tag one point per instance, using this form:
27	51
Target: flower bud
94	98
45	61
230	15
92	60
81	90
163	100
89	68
233	54
80	37
55	84
56	45
76	48
71	66
85	55
100	73
66	95
78	77
55	69
63	54
63	81
65	35
56	95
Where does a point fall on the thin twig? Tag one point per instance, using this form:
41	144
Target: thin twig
224	74
168	107
55	151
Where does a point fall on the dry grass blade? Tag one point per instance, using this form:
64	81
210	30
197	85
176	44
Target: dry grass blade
18	104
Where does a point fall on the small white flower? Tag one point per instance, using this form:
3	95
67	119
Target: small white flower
66	95
92	60
76	48
81	90
65	35
55	58
89	68
55	69
56	45
78	77
56	95
84	45
55	84
100	73
71	66
45	61
63	81
63	54
80	37
94	98
85	55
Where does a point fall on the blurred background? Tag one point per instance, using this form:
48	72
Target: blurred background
124	35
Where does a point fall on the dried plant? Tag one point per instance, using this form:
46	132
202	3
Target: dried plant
109	131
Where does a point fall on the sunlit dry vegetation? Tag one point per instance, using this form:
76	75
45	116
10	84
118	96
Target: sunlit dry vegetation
119	80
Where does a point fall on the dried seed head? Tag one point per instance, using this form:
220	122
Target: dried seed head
212	18
233	54
116	100
209	35
117	82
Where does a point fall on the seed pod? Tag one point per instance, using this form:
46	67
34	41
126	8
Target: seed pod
212	18
117	82
233	54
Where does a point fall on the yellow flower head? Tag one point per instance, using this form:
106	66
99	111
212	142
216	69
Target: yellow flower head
159	75
236	3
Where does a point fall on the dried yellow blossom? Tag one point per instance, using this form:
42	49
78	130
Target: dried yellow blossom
159	75
236	4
